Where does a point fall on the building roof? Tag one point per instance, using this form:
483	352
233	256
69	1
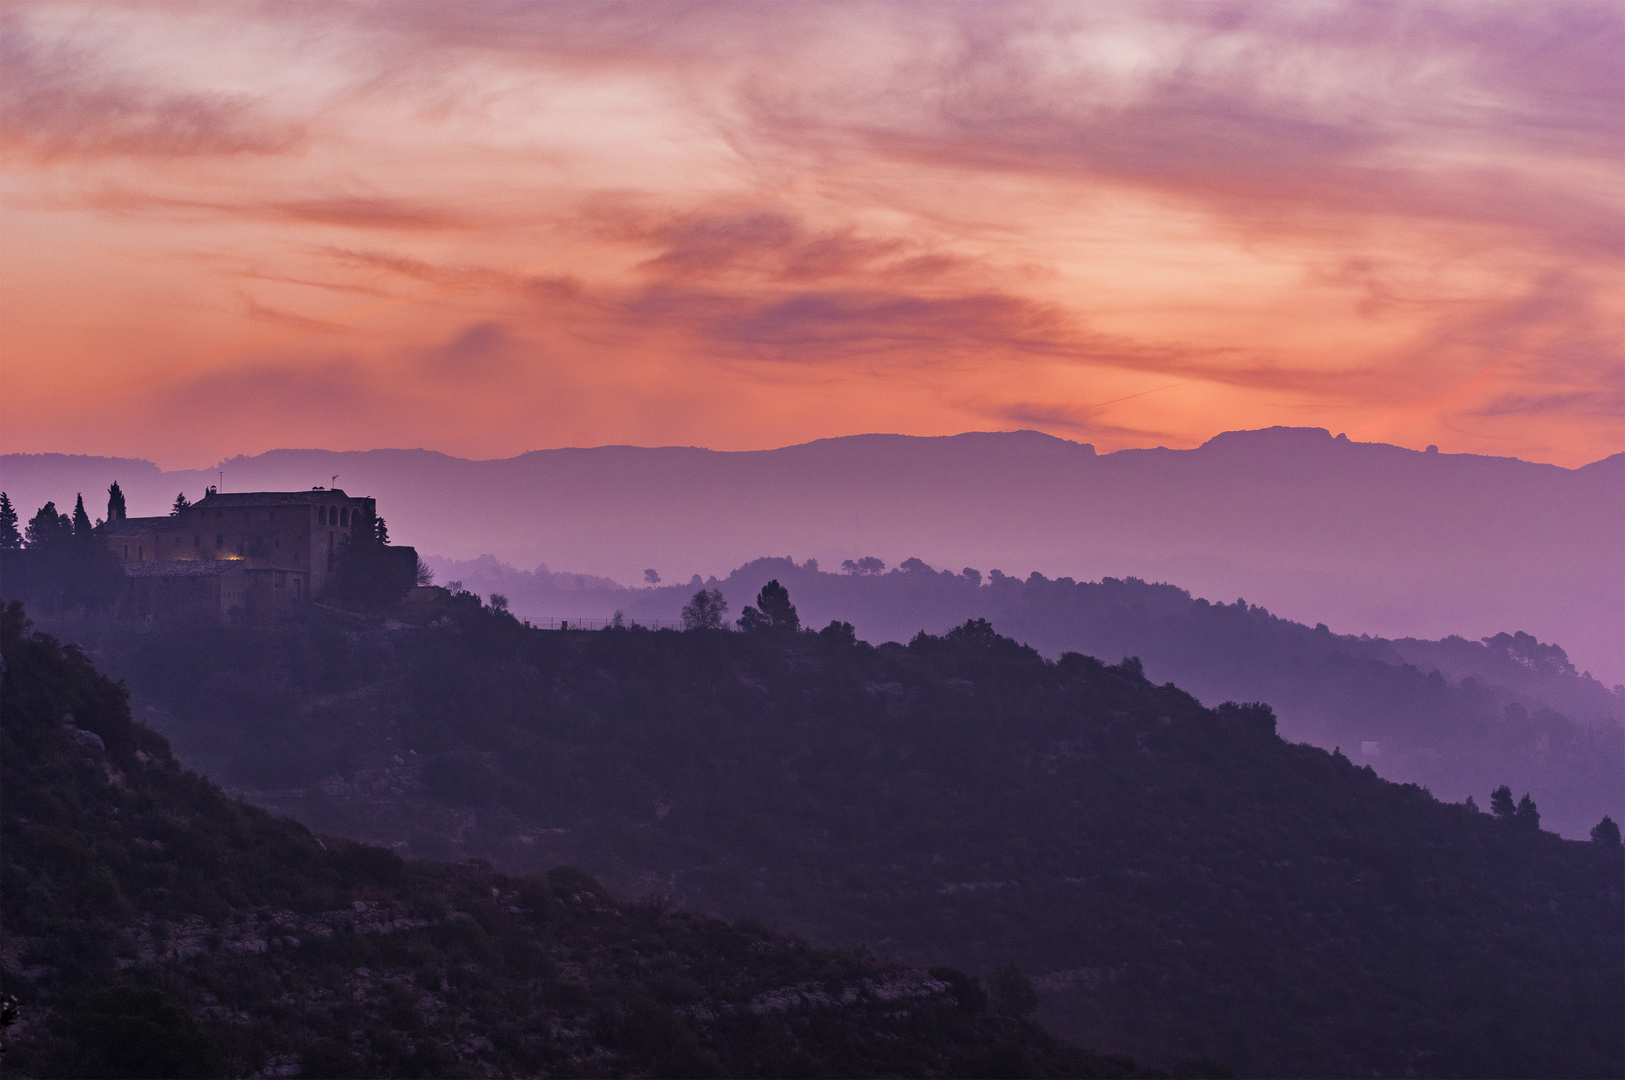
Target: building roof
133	526
179	568
229	500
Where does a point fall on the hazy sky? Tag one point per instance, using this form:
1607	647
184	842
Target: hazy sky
487	228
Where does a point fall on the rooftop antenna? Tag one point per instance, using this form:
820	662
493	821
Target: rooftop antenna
335	481
222	479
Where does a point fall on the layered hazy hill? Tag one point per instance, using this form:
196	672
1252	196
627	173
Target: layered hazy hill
1364	537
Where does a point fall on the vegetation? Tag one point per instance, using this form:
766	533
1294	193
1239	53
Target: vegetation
1178	881
157	928
372	574
58	563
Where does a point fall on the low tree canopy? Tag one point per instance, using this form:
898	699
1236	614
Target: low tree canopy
705	611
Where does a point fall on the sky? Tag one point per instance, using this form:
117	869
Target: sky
491	228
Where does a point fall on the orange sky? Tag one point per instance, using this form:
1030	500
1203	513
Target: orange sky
488	229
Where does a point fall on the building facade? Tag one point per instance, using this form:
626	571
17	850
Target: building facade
249	554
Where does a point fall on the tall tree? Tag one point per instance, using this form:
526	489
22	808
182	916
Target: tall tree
181	504
81	522
10	538
1527	816
115	503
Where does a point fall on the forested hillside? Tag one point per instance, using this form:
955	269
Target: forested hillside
1457	716
156	928
1180	882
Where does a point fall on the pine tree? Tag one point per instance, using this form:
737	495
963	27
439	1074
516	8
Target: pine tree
181	504
1527	816
1605	832
773	611
115	503
1501	804
45	527
10	538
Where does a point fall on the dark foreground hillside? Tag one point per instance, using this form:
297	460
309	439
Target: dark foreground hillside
156	928
1178	881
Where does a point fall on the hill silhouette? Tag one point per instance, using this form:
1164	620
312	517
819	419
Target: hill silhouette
1365	537
1457	716
157	928
1178	881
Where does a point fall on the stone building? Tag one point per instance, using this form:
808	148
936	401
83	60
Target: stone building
243	554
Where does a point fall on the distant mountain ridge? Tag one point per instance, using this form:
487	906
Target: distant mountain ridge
1365	537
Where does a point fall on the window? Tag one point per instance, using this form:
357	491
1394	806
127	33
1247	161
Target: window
344	515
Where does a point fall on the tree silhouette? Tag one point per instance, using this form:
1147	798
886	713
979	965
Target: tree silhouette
47	528
181	504
81	522
1605	832
115	503
773	612
10	538
705	610
652	577
1501	804
866	565
1527	816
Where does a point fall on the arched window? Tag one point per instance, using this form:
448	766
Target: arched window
321	515
332	515
344	516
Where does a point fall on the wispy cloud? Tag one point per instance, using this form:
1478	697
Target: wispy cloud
909	216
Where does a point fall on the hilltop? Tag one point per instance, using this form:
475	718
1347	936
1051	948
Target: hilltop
1457	716
1178	881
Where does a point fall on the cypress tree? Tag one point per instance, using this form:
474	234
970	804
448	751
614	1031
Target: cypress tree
81	521
115	503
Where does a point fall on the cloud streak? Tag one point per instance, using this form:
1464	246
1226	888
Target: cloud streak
815	219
